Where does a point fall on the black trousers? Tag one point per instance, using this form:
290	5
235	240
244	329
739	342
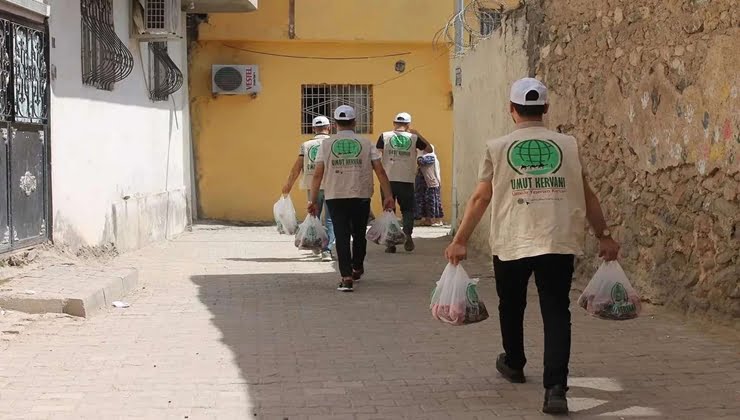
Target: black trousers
553	275
350	225
405	194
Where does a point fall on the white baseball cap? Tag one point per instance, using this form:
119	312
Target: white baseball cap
522	87
344	113
404	118
320	121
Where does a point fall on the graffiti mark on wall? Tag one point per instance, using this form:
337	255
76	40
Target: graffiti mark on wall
676	151
727	130
701	166
690	111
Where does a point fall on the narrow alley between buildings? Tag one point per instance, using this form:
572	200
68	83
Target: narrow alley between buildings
234	323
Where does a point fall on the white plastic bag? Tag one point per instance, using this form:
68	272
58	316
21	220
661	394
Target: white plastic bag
285	216
311	235
610	295
386	230
455	299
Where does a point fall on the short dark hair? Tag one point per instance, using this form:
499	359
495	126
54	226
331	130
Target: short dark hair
345	123
530	110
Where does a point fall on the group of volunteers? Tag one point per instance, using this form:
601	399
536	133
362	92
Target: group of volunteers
337	170
536	185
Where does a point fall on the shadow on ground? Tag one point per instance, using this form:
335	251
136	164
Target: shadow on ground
306	350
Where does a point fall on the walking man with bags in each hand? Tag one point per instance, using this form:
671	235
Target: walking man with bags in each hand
540	199
306	164
399	159
344	166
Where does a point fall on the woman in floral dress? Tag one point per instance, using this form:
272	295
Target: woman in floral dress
428	193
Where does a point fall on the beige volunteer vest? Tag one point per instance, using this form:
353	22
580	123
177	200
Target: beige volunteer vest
399	156
538	204
348	171
310	150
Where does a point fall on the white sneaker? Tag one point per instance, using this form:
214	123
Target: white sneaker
326	256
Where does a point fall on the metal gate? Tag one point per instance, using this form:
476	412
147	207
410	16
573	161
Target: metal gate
24	118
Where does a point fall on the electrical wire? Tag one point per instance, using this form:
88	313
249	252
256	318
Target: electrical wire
427	64
309	57
470	18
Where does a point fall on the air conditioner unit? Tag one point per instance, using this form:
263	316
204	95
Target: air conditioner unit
155	19
235	79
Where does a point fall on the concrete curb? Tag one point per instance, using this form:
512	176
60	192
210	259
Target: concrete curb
111	287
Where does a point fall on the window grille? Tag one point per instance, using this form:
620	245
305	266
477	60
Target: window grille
156	14
324	99
165	78
490	20
23	74
105	58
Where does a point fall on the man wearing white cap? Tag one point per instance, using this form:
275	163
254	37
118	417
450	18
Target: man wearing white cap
399	159
306	163
541	200
344	166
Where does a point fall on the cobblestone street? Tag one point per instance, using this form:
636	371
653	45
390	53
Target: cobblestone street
234	323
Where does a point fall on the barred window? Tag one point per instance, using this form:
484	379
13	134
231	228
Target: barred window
490	20
105	58
165	78
324	99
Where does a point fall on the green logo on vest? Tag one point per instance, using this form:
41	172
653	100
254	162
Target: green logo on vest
346	148
400	142
312	152
535	157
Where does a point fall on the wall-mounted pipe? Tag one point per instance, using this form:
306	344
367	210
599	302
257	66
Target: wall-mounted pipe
291	19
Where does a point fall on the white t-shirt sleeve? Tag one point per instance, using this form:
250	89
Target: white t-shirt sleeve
302	151
374	153
486	169
320	154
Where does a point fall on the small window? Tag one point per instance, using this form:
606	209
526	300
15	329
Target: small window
324	99
490	20
105	58
165	78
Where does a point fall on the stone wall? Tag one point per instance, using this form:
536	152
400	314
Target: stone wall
650	89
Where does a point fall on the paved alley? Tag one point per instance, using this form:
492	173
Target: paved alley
234	323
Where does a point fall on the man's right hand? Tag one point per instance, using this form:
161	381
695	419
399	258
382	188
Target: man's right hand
389	204
286	189
455	253
312	210
608	249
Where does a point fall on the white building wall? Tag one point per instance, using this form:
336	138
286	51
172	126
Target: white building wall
482	111
120	162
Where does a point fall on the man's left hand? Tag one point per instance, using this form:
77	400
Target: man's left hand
608	249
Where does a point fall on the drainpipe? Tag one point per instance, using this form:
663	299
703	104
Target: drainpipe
291	19
459	5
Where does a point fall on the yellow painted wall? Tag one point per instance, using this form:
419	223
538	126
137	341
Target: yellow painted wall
395	21
245	147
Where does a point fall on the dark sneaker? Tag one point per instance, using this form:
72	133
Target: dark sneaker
390	250
357	274
345	285
555	401
409	245
515	376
